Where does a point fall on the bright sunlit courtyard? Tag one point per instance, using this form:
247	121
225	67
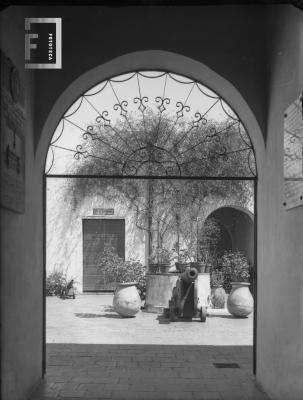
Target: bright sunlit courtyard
91	319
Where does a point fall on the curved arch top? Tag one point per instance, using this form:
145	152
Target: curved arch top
154	60
234	207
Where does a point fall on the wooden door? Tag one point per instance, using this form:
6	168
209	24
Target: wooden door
97	234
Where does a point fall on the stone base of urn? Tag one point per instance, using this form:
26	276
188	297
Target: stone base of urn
159	289
127	301
240	302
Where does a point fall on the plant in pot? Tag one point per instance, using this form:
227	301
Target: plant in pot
189	255
218	294
128	275
197	261
206	260
160	260
240	301
184	259
208	238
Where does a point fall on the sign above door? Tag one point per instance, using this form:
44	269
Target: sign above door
103	211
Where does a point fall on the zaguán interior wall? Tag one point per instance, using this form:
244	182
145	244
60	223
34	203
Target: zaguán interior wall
280	234
21	246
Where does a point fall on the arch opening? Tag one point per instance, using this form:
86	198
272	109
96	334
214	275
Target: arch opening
238	223
236	227
151	159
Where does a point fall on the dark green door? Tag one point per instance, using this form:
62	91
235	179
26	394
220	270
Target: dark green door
98	234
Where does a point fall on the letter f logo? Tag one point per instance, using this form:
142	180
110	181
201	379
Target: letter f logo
28	37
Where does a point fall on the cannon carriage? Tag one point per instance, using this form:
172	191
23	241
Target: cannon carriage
185	303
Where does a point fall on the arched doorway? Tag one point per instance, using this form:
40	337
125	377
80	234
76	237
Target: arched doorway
237	230
182	106
237	234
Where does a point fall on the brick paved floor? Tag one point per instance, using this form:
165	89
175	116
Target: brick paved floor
94	354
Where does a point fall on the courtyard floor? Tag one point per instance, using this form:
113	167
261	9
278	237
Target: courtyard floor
94	354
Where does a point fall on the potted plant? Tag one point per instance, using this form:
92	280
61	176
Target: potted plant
160	260
183	259
240	301
207	241
199	262
127	275
206	260
218	295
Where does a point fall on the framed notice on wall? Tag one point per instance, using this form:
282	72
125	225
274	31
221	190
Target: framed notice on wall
12	147
293	154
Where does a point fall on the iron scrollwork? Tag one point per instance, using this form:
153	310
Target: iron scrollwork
145	133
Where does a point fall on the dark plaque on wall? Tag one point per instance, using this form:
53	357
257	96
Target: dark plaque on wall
12	147
293	154
103	211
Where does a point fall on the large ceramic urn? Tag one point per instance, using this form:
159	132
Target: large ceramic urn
127	301
240	302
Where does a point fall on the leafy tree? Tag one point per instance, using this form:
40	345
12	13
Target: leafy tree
153	145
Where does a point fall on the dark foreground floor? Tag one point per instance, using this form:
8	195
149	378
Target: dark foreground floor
156	372
93	353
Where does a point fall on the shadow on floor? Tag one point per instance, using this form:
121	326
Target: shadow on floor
163	320
87	315
224	316
166	372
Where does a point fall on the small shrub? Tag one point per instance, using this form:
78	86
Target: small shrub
216	278
161	255
117	270
56	282
235	268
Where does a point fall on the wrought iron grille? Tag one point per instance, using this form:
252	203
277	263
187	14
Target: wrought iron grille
151	124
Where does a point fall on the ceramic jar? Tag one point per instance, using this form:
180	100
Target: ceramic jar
127	301
218	296
240	302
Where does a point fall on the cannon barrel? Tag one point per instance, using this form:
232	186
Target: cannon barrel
189	275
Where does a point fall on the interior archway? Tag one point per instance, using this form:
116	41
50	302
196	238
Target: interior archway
247	119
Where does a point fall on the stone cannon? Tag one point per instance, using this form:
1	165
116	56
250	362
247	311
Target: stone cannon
185	303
